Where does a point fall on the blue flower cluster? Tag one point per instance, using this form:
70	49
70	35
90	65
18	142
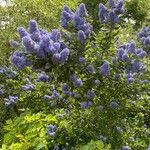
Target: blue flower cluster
85	104
43	77
105	69
11	100
144	35
19	60
105	14
130	55
28	87
51	130
78	20
41	43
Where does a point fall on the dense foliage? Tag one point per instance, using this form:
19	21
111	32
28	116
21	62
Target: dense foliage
79	85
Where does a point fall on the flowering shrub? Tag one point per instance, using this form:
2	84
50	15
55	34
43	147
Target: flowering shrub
90	79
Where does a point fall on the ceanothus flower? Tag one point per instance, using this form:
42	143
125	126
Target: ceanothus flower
81	11
55	35
33	27
111	3
18	60
51	130
78	83
130	80
78	21
73	77
48	97
113	105
22	32
90	69
64	55
125	57
11	100
28	87
113	17
56	58
126	148
120	52
82	60
85	104
36	36
90	94
131	48
29	44
81	36
104	69
13	44
102	14
43	77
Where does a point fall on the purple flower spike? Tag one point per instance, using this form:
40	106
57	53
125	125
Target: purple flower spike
78	83
90	94
81	36
113	105
81	11
22	32
105	70
33	27
90	69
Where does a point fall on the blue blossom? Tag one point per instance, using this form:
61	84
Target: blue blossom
90	94
18	60
113	17
56	58
78	83
48	97
102	14
55	35
120	52
78	21
57	46
55	94
82	60
125	57
130	80
81	36
51	130
90	69
29	44
126	148
36	36
73	77
111	3
105	70
131	48
64	55
22	32
136	66
85	104
119	7
43	77
81	11
28	87
33	27
113	105
11	100
142	54
13	44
